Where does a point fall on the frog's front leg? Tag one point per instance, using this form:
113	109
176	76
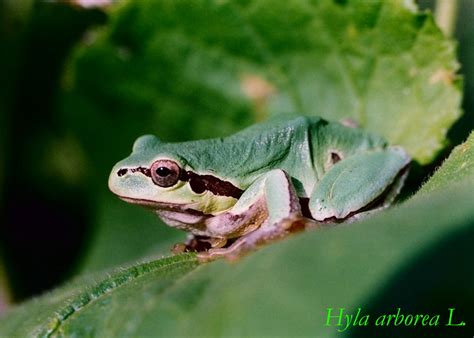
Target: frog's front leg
358	184
263	213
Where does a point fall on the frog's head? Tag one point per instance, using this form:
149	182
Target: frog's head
156	175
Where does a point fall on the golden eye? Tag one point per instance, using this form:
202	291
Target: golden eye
165	173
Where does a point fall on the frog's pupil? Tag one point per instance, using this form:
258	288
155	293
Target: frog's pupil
163	171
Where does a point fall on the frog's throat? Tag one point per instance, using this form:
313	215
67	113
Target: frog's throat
199	183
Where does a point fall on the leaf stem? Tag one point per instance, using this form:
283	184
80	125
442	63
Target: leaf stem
446	12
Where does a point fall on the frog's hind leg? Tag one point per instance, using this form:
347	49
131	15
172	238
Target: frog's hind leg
359	185
276	194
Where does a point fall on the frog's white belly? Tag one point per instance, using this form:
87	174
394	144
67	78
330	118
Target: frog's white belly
223	225
186	220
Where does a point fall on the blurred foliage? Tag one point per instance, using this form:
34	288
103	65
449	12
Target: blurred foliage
83	84
43	214
12	21
155	62
213	58
465	36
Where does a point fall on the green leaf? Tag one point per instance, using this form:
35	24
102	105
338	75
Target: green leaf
143	233
380	63
185	70
48	315
456	169
283	289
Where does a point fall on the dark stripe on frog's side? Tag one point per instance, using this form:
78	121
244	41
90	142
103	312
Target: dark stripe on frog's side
198	183
201	183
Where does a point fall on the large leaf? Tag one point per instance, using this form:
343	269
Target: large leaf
194	69
284	289
379	62
378	265
47	315
287	288
457	168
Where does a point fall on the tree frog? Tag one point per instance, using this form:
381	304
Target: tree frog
243	190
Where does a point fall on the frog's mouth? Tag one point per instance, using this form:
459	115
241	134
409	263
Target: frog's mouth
154	205
182	216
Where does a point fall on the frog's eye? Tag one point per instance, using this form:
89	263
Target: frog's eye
165	173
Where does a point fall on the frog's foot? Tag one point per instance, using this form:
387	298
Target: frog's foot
260	237
198	244
340	195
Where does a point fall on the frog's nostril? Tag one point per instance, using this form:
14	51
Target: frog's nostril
122	172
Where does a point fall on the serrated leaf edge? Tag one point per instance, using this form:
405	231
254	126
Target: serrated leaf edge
107	285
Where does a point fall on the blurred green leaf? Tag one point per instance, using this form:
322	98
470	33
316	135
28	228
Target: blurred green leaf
456	169
196	69
380	63
284	289
186	69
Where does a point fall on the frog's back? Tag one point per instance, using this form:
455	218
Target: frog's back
332	142
251	151
306	147
279	126
274	144
299	145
